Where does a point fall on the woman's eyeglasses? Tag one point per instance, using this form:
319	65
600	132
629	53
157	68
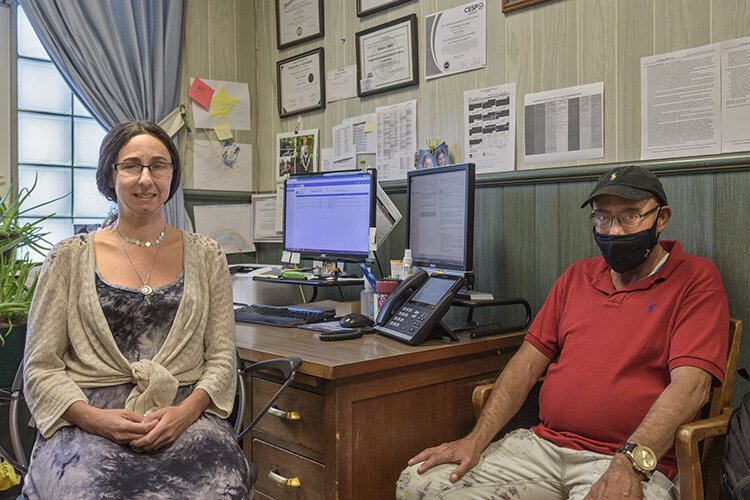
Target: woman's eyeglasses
159	169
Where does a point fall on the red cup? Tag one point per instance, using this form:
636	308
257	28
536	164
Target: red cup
383	289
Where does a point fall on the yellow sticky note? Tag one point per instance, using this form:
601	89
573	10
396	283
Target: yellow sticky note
223	132
221	103
369	127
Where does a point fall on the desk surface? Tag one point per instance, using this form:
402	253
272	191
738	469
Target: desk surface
346	358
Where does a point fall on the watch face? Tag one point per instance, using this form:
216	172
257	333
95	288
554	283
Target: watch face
644	457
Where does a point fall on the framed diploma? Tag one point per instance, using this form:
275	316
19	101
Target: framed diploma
367	7
511	5
298	21
301	83
387	56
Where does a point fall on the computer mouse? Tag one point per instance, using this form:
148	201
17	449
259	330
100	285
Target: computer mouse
355	320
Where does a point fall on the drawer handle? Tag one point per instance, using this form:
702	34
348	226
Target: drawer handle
286	415
292	482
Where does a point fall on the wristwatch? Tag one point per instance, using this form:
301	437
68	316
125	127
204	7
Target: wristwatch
641	457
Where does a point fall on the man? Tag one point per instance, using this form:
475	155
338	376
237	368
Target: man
631	343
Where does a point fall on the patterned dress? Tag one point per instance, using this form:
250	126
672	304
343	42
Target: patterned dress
204	462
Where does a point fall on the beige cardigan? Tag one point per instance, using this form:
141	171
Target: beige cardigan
69	344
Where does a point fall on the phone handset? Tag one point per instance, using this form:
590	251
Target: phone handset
400	295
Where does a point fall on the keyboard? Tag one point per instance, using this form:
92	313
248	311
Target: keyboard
287	317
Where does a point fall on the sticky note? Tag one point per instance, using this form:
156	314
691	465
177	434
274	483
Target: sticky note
223	132
295	258
369	127
373	245
201	93
221	103
286	256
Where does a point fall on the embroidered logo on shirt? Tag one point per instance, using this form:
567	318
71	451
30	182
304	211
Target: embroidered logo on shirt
650	308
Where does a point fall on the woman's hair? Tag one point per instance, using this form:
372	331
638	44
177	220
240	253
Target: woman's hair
117	138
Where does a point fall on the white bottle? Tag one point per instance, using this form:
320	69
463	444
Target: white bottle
406	268
367	300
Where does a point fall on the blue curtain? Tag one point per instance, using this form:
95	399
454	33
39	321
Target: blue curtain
121	58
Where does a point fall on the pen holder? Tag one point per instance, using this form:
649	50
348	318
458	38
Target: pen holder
383	289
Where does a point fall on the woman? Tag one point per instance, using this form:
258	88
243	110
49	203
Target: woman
130	360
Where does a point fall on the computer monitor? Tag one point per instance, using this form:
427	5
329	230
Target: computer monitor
440	216
328	215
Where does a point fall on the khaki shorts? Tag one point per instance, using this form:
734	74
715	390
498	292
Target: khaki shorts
522	466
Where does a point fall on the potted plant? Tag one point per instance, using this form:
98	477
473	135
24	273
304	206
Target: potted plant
18	275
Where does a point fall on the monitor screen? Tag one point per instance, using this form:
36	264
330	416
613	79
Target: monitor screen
328	215
440	229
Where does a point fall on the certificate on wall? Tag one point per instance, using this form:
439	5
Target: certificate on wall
387	56
298	21
367	7
301	84
455	40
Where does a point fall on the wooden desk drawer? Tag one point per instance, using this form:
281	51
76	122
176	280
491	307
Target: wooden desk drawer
272	460
308	431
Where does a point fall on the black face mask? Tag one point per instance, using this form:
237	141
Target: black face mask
626	252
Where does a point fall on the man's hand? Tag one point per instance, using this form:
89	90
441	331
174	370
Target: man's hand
463	452
619	481
120	426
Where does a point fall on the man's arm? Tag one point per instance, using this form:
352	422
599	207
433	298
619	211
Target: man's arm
508	394
687	392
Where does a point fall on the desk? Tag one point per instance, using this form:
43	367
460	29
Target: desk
366	407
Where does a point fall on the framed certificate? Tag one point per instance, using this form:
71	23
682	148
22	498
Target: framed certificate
298	21
511	5
367	7
301	83
387	56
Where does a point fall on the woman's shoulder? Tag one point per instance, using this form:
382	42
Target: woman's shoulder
203	245
70	246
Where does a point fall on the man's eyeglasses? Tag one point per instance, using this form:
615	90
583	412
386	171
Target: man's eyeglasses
159	169
628	219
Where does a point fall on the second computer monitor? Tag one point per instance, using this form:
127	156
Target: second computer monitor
440	229
329	215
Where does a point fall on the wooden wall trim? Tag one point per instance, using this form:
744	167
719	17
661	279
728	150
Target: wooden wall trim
671	166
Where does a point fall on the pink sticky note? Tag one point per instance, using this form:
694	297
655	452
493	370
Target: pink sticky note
201	93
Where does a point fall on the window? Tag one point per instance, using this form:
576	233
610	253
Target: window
58	142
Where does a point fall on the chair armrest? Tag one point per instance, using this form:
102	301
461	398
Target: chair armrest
687	441
479	397
287	366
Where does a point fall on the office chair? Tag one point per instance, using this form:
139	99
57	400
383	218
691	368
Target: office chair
698	445
286	367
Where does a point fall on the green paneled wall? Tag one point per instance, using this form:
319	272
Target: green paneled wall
529	230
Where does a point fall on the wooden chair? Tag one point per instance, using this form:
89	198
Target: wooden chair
694	465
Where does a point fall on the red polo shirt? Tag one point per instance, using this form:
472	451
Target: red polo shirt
612	350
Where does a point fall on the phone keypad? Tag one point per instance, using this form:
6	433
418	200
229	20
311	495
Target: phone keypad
408	319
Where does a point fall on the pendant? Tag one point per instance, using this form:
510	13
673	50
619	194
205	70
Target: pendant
147	294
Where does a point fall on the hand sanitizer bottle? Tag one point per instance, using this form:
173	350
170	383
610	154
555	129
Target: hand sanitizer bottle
367	300
406	268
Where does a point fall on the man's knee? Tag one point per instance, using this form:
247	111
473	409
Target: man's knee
413	485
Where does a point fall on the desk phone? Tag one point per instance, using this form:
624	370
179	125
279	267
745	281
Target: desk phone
413	311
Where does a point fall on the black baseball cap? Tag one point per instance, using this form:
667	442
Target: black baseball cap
629	182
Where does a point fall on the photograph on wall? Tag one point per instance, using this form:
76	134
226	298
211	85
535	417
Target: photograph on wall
296	152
